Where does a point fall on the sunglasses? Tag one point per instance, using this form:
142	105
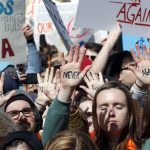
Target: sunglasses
91	57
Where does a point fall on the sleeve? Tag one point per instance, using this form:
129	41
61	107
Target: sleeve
56	120
138	94
34	61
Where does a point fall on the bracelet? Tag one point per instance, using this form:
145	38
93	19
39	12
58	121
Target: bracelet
138	85
39	104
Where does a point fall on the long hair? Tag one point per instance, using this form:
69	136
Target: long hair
130	129
69	140
146	117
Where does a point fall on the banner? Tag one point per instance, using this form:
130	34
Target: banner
134	15
12	42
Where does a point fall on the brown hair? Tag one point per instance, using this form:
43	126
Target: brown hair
130	129
146	117
6	125
71	141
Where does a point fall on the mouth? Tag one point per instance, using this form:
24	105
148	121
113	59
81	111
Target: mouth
112	121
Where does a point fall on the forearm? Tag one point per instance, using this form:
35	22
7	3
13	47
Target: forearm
100	61
34	61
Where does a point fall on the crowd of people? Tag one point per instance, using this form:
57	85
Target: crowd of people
94	98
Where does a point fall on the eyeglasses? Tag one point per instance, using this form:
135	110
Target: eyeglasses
91	57
27	112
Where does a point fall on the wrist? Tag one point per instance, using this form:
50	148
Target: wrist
30	41
140	85
40	106
64	94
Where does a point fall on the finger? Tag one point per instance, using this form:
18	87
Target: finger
9	95
51	75
149	50
23	75
94	76
58	80
76	53
84	88
89	76
46	75
134	56
81	55
145	52
133	69
70	56
82	74
62	59
2	81
39	78
139	52
86	81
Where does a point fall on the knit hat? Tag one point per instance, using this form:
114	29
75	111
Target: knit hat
22	95
26	136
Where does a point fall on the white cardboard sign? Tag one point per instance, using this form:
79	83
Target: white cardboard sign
12	42
134	15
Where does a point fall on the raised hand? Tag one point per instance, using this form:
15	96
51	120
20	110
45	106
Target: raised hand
4	98
47	88
71	74
142	70
28	32
93	82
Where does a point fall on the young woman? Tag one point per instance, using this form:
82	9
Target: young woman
114	118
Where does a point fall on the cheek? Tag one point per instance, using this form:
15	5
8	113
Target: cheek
101	117
123	118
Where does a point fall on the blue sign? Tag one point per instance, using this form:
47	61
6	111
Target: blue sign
129	41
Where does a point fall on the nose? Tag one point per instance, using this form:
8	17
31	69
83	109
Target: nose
111	112
21	116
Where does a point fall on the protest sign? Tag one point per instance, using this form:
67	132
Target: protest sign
12	42
134	15
43	24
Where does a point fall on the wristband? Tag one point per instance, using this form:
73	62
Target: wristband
40	104
138	85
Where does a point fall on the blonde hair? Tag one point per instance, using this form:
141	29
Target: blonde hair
71	141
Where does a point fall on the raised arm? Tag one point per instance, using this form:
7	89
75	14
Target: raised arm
34	61
100	61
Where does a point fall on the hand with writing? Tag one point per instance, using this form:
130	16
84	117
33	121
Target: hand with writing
46	89
71	74
28	32
93	81
142	70
4	98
